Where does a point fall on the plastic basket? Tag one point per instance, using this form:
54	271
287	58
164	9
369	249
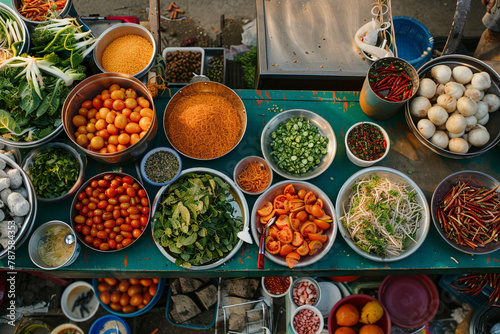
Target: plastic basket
445	282
413	40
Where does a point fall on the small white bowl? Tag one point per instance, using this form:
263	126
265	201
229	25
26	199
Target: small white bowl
365	163
309	280
315	310
272	295
71	294
243	163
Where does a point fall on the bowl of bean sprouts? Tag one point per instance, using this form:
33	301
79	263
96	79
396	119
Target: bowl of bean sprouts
383	214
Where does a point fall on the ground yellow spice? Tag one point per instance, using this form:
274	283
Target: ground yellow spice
128	54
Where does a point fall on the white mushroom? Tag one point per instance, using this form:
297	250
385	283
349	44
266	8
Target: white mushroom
427	88
441	73
481	81
440	139
482	110
16	179
440	90
466	106
454	89
484	120
478	136
437	115
456	123
492	101
455	135
17	204
474	94
419	106
426	128
448	102
462	74
471	122
458	145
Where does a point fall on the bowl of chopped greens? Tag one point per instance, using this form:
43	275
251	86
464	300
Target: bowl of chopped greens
383	214
197	218
56	170
298	144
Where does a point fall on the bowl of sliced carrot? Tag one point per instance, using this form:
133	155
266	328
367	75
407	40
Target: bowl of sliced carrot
205	120
36	12
253	175
304	228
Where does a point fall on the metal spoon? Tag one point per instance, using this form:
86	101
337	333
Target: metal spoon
69	239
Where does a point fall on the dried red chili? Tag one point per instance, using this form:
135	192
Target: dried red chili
475	283
367	142
391	82
277	285
470	215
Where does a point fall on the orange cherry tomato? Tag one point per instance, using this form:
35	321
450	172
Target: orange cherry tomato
308	227
314	246
132	128
322	224
303	250
282	222
309	198
273	232
298	239
146	112
286	249
289	189
145	123
280	204
302	216
320	237
272	246
121	121
292	259
302	193
266	209
317	211
285	236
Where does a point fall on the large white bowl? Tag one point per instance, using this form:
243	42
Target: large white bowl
324	128
239	204
394	176
277	189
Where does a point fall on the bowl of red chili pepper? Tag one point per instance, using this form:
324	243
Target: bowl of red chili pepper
276	287
36	12
366	143
465	210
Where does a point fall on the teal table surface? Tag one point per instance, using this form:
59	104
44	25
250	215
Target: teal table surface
341	109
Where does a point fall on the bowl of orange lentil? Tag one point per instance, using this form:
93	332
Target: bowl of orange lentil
111	116
126	48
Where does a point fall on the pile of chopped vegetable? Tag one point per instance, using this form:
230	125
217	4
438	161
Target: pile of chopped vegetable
54	172
196	222
33	88
298	146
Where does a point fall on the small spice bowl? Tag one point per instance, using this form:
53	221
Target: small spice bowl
306	316
240	167
164	160
300	289
108	324
374	149
79	301
271	285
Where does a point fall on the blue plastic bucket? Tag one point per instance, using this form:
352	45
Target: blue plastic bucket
413	40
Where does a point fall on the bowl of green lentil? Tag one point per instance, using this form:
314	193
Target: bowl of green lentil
56	170
366	143
298	144
161	166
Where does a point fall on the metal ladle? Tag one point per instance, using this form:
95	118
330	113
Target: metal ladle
69	239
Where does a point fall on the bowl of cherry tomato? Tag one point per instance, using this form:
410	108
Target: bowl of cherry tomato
111	116
128	297
305	225
110	211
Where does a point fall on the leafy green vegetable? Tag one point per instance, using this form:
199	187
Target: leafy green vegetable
54	172
297	145
196	222
249	63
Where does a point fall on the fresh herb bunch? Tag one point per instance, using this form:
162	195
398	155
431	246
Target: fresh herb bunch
196	222
249	63
298	145
54	172
367	142
32	92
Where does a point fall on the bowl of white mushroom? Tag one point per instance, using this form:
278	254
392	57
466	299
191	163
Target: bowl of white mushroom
17	204
454	111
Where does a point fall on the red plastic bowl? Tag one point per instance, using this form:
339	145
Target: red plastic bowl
411	300
358	301
344	279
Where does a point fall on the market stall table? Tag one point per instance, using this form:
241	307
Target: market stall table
341	109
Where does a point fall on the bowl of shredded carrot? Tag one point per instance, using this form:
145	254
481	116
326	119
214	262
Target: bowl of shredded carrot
205	120
253	175
34	12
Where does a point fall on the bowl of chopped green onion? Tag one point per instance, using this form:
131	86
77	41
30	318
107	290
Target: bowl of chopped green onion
383	214
161	166
56	170
298	144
